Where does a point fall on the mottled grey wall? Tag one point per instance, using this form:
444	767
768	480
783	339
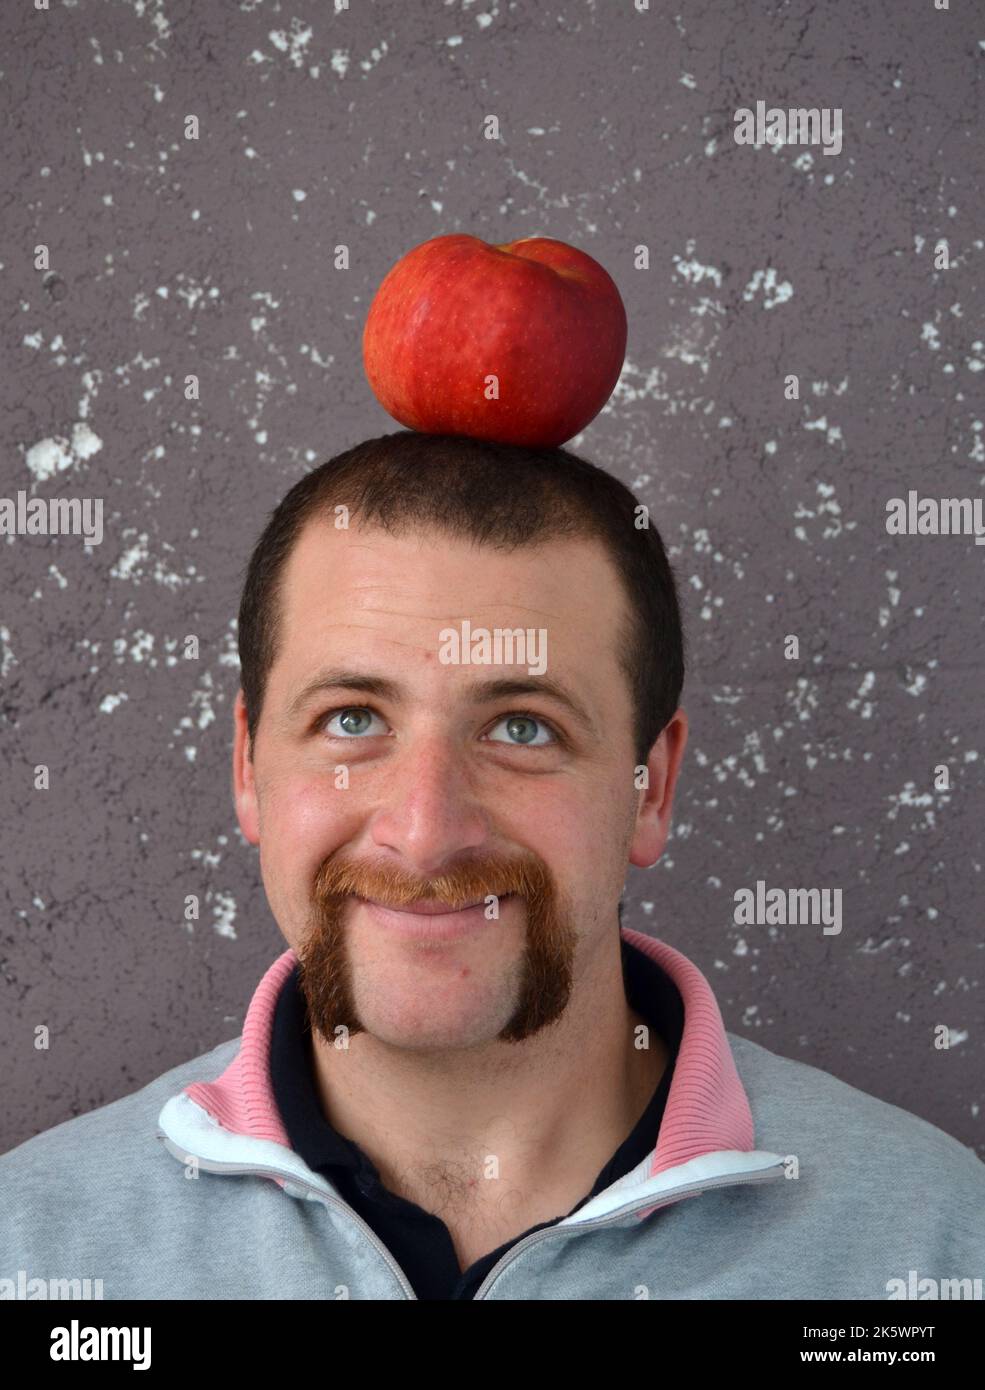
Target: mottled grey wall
171	256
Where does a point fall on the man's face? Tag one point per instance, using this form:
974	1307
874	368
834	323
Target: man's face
433	790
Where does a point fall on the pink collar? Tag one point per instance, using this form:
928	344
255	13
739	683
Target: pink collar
707	1109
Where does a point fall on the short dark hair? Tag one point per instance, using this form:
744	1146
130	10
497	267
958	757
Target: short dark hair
501	495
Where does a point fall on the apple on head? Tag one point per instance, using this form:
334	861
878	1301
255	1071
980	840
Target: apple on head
521	343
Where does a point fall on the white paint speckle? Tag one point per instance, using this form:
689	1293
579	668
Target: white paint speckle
292	44
694	272
7	658
766	279
224	912
48	457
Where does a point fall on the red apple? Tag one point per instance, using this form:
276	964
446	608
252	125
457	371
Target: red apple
521	343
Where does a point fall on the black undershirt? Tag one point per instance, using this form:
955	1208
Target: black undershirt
418	1240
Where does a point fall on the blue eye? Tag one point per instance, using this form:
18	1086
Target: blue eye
356	722
351	713
521	719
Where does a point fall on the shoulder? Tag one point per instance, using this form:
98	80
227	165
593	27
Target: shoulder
110	1140
100	1197
863	1143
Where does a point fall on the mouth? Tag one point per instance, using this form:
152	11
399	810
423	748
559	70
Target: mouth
429	920
432	907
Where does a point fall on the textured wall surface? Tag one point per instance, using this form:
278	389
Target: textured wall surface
170	256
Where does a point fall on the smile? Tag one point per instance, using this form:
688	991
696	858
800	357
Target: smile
426	907
428	920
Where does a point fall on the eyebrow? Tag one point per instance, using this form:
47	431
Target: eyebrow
483	691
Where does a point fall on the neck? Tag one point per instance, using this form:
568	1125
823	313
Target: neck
517	1132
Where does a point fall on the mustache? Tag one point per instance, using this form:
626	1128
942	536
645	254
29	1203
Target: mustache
490	876
545	970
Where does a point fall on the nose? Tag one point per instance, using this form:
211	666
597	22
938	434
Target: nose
430	813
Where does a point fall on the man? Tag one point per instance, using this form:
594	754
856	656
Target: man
460	668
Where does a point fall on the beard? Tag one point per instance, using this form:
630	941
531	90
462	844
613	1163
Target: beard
546	966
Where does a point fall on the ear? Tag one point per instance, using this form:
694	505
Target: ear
656	799
244	781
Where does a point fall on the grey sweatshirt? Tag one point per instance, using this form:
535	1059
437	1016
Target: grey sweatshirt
770	1179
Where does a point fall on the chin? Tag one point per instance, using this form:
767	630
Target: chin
423	1028
429	1040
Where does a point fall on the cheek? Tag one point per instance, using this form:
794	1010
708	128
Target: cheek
300	804
604	802
562	828
591	831
302	820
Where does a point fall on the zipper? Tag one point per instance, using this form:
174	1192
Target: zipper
654	1201
252	1170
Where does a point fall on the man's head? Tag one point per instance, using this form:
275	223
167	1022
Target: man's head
370	767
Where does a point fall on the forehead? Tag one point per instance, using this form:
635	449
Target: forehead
363	591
